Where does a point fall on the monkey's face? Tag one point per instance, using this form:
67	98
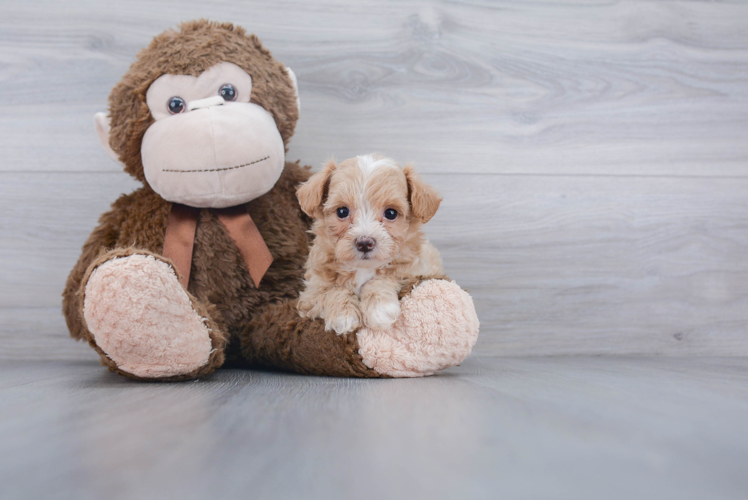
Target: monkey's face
209	146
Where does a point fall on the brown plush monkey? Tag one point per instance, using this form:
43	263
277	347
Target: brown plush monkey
204	262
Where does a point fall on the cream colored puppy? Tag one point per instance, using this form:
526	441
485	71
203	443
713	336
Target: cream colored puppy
367	213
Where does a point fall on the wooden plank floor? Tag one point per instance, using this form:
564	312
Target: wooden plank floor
592	155
540	427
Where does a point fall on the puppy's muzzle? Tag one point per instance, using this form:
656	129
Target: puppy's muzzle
365	244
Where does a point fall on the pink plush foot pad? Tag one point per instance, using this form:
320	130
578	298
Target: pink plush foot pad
142	318
437	328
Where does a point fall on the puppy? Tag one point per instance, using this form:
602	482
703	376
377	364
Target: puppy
367	213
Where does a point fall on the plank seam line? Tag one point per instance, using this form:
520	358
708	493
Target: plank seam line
473	174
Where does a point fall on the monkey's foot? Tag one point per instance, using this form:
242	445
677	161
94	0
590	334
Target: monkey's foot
144	321
437	328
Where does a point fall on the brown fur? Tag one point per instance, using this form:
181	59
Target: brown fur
279	338
246	320
190	50
220	282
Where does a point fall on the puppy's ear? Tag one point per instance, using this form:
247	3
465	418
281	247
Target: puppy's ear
312	193
424	199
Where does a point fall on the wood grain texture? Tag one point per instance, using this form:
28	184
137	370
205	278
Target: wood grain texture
640	87
552	428
593	155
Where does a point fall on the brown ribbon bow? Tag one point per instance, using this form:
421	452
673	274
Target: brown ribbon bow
179	239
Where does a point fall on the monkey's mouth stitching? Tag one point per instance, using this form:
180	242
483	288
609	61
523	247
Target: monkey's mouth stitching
216	169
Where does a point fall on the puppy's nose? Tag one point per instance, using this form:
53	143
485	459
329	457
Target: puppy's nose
365	244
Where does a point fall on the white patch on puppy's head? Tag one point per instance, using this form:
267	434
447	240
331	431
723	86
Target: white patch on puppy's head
369	163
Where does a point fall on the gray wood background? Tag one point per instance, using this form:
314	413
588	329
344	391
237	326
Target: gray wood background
593	155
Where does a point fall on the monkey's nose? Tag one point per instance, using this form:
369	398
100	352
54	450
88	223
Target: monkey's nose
216	100
365	244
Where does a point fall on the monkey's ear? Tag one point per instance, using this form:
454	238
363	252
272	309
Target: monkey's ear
424	199
292	75
312	193
102	131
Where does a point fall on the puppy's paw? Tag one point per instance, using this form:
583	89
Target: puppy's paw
345	320
343	324
382	314
305	307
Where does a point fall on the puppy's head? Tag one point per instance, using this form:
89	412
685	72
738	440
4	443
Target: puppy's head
365	207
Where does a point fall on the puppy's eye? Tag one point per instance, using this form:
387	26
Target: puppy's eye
342	212
390	214
228	92
176	105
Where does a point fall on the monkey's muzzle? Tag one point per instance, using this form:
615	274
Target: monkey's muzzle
214	155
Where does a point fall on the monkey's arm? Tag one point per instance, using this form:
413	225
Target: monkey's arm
279	337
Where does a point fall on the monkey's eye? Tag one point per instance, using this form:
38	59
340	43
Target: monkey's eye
228	92
342	212
390	214
176	105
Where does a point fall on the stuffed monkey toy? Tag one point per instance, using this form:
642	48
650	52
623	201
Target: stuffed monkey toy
204	263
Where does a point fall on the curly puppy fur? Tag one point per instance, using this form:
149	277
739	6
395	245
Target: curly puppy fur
368	212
